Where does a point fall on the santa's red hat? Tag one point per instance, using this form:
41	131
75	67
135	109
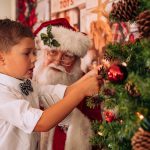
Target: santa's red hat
64	35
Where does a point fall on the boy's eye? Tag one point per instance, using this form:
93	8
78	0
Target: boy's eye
35	53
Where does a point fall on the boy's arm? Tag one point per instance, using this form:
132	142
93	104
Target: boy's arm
74	94
54	114
51	94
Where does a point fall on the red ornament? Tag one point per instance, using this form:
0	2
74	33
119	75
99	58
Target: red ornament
109	116
132	38
117	73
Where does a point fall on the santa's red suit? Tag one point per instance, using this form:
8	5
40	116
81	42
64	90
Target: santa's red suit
74	132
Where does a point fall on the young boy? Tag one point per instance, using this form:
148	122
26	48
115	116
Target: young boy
20	116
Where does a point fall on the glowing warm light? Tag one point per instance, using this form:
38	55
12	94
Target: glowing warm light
140	115
100	133
121	121
124	64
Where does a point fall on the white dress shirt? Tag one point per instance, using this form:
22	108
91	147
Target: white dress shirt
19	113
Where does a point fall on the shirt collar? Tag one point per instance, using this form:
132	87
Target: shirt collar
9	81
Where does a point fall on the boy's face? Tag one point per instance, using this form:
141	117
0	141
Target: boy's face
19	61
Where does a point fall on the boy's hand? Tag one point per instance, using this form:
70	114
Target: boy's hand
90	85
93	72
87	86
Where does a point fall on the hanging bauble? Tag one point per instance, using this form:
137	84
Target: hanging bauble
109	115
117	73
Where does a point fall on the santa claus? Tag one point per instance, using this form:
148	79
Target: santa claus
60	51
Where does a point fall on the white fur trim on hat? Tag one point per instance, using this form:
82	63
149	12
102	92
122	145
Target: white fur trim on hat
69	40
87	60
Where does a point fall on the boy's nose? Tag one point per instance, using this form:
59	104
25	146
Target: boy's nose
33	58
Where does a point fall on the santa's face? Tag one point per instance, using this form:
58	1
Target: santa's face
58	68
57	57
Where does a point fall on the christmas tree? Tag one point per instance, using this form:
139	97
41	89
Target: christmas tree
125	94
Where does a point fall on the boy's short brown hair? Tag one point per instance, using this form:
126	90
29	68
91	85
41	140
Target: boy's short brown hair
11	32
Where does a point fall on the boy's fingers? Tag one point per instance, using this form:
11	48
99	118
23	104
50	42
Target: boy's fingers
100	80
92	72
99	77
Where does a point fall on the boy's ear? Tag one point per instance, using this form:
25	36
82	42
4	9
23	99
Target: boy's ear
1	58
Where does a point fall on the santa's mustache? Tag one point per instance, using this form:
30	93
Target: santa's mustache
58	67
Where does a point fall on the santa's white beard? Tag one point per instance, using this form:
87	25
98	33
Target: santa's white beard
50	76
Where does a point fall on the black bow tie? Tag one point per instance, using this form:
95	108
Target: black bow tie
26	87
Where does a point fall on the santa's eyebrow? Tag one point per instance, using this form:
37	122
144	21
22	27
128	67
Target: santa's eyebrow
69	54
